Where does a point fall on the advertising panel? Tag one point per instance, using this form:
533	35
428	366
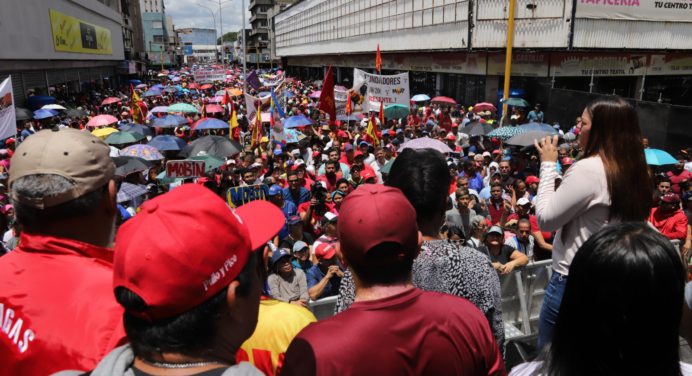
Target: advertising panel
74	35
639	10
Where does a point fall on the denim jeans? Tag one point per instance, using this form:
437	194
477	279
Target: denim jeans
551	307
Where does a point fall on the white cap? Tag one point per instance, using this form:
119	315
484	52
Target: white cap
487	154
523	201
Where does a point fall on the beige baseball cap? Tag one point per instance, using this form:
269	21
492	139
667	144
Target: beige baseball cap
75	155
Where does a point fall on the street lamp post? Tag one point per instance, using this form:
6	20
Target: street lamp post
244	49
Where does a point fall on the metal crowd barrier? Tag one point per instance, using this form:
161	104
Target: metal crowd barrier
522	296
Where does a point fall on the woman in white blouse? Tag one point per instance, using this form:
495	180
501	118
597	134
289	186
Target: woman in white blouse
608	184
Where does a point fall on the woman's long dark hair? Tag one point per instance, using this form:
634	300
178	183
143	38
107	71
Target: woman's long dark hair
621	308
616	137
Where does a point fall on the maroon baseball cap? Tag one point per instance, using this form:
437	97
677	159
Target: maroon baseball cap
374	214
185	246
670	198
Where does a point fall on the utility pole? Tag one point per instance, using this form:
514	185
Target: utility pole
244	50
223	55
508	60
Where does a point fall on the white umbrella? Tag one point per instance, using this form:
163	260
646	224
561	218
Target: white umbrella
53	107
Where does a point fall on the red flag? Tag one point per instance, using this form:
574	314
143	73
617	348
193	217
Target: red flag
227	101
381	115
378	60
349	110
327	103
257	130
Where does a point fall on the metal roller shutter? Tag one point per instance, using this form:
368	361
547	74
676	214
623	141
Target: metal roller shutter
72	75
35	80
56	77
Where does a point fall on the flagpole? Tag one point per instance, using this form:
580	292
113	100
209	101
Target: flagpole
244	49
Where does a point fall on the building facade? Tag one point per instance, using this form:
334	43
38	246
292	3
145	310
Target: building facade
60	45
156	35
199	45
258	42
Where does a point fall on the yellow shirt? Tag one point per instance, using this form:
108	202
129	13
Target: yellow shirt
278	323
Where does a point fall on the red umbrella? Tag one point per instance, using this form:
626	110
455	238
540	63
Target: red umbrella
484	106
110	100
205	87
211	108
101	120
447	100
192	85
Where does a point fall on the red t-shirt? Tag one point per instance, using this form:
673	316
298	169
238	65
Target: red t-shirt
534	225
676	180
315	227
405	334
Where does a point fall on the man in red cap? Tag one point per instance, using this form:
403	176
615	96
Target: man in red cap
669	219
57	308
190	291
392	328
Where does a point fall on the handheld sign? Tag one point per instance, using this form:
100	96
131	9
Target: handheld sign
237	196
184	169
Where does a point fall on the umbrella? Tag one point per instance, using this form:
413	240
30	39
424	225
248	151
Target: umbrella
209	123
516	102
169	121
540	127
527	138
110	100
102	133
657	157
170	89
74	113
213	108
477	129
53	106
210	162
137	128
129	192
135	82
315	94
426	143
569	136
212	145
420	98
396	111
124	137
235	92
101	120
166	143
205	87
158	87
126	165
387	167
182	107
22	113
446	100
152	93
192	85
163	179
484	106
44	114
352	117
141	86
159	109
146	152
297	121
505	133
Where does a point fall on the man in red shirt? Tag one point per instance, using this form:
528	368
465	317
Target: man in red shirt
679	175
669	219
392	328
57	308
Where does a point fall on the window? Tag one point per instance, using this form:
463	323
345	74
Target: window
158	39
157	25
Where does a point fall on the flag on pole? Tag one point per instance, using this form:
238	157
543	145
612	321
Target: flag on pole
136	107
257	130
381	115
372	131
8	116
349	109
253	80
271	111
234	130
277	104
378	60
327	103
227	101
204	110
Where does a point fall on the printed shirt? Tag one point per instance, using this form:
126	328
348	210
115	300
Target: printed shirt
57	306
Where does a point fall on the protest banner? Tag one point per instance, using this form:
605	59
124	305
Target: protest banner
8	122
386	89
209	76
184	169
238	196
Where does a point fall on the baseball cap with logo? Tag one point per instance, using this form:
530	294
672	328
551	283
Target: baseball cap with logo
324	251
374	214
275	190
75	155
185	246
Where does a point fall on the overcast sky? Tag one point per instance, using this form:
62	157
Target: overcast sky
187	13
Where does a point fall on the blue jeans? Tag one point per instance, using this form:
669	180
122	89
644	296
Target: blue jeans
551	307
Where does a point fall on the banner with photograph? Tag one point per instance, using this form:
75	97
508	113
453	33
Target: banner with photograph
74	35
8	121
387	89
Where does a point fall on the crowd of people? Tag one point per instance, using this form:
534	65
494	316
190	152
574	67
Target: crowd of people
101	277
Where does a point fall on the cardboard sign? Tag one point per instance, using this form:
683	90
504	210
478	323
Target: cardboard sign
184	169
238	196
391	89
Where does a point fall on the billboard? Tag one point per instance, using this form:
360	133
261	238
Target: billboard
74	35
636	10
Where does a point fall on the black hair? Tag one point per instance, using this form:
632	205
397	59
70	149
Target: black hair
423	177
384	264
191	333
341	181
330	162
455	230
621	307
291	173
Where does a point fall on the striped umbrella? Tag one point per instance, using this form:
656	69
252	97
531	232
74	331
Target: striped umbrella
505	133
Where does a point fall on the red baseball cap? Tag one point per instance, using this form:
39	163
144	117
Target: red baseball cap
357	153
451	137
342	134
185	246
532	179
325	251
367	174
374	214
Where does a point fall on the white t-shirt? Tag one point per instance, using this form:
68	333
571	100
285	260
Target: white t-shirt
528	369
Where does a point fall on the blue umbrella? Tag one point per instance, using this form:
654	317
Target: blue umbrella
166	142
157	87
297	122
44	114
420	98
540	127
169	121
135	82
505	133
136	128
152	93
657	157
210	123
